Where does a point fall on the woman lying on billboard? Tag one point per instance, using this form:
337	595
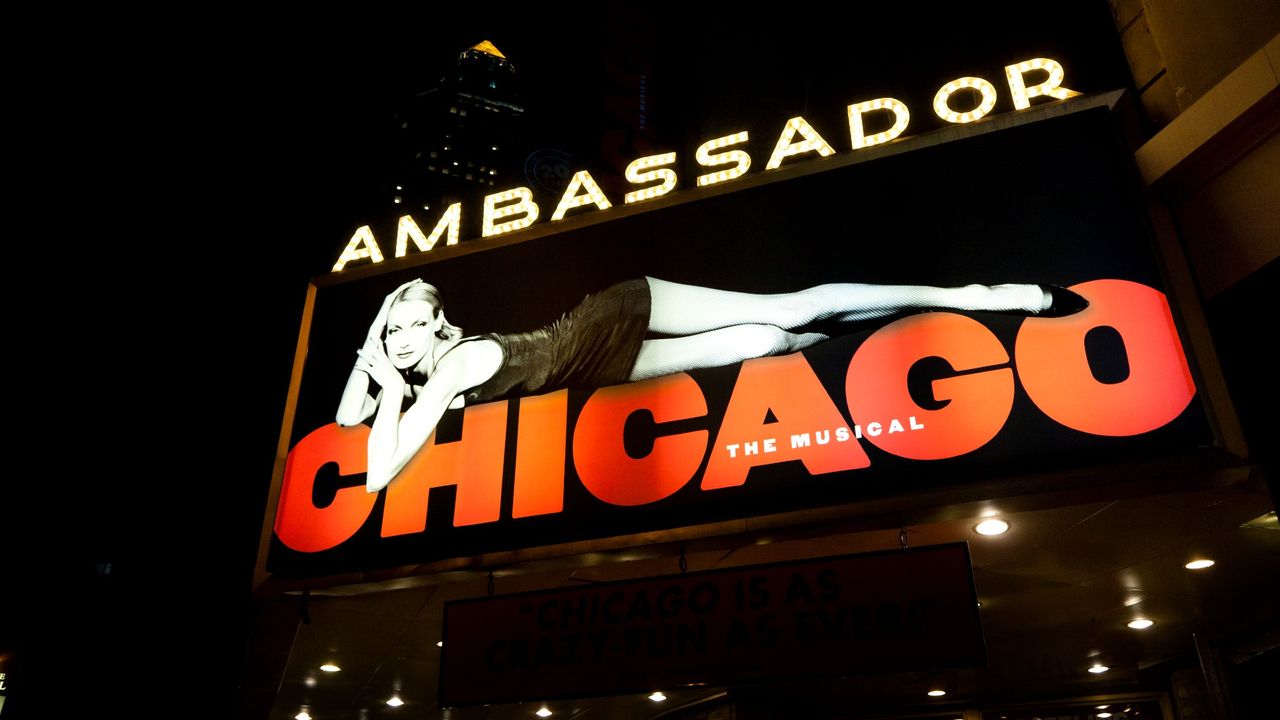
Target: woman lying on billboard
424	363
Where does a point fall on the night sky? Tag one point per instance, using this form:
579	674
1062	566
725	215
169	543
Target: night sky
211	171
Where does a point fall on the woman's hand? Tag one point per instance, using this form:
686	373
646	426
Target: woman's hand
373	360
380	321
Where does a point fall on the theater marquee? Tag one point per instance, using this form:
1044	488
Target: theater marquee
414	440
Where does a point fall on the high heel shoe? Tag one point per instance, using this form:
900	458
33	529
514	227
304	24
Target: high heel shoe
1062	302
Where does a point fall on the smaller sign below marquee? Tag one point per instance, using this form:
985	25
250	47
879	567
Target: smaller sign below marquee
895	611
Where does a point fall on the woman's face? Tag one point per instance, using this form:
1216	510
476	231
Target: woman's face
411	328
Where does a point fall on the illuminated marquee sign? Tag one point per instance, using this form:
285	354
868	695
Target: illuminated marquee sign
414	440
1049	356
515	209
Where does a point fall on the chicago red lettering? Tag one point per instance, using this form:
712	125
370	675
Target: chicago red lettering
788	387
977	403
1049	359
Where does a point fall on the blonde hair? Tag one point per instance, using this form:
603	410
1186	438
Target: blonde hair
430	294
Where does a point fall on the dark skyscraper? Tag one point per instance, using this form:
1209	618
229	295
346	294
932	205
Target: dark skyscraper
461	138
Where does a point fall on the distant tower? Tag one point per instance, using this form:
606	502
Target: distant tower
462	138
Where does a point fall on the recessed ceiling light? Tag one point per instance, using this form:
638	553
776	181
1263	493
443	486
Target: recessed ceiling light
991	526
937	693
543	712
439	643
309	682
1198	564
395	701
658	696
1104	714
303	715
1141	624
1098	669
330	667
1102	707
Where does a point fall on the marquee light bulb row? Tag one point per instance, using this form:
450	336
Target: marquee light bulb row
725	158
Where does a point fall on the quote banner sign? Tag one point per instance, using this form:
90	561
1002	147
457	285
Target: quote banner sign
987	307
895	611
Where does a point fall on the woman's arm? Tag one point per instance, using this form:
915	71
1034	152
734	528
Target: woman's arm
395	439
357	405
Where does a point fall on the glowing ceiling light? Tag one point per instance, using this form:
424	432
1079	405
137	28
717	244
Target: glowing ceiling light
658	696
1199	564
395	701
1141	624
330	667
1098	669
440	643
937	693
1102	707
991	526
543	712
1104	714
302	715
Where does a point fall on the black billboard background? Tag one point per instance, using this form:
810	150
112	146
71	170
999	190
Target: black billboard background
1047	202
